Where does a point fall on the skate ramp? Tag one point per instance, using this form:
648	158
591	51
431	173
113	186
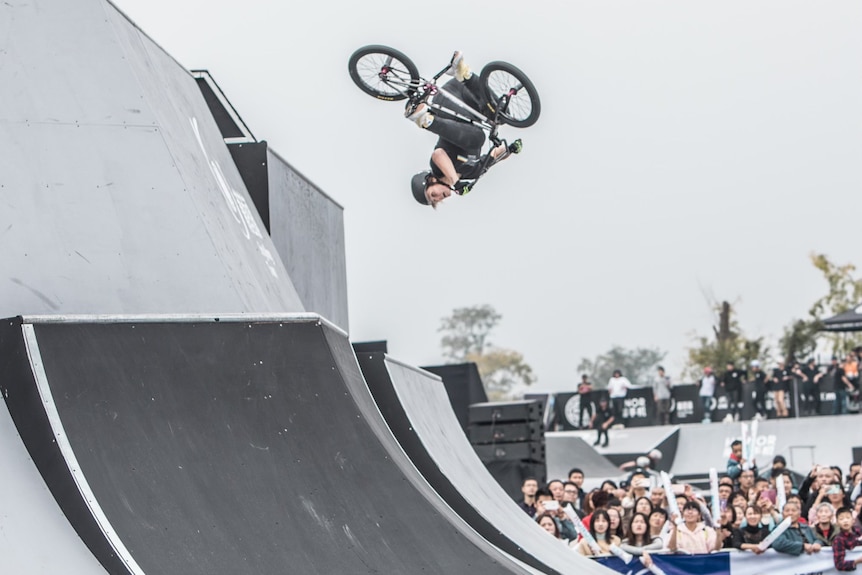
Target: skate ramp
803	442
118	192
224	445
563	452
416	406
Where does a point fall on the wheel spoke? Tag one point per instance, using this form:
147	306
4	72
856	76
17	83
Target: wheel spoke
520	105
383	73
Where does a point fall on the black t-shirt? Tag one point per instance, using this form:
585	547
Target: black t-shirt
468	163
732	380
809	372
602	415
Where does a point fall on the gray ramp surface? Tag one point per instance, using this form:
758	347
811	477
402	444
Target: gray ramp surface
228	445
117	193
803	442
448	461
35	537
563	452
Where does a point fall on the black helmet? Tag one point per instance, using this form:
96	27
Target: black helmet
417	185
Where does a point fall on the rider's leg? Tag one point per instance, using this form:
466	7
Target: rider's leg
463	135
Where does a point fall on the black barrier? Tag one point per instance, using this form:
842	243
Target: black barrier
687	407
638	409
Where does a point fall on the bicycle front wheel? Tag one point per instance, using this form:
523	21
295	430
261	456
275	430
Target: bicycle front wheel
383	72
506	84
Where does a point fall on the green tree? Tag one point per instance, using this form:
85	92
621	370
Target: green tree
501	371
638	365
466	339
466	331
726	344
845	292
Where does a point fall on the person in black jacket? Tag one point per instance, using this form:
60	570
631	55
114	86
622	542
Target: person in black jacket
731	381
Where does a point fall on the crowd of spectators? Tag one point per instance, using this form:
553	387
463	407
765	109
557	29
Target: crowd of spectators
636	516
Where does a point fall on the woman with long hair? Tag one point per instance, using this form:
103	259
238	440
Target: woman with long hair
639	538
546	522
600	530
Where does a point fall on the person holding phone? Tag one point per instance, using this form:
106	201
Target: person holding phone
831	494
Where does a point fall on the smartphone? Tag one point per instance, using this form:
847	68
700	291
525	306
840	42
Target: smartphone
768	494
551	505
833	490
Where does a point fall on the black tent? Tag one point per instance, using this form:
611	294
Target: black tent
850	320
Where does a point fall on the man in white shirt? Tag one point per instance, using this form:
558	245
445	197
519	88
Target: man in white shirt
618	387
706	393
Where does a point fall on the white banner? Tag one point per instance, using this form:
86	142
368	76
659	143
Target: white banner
771	562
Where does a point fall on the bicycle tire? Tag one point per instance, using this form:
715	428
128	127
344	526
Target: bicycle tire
383	72
524	106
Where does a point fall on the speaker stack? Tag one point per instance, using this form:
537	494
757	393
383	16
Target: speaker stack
509	438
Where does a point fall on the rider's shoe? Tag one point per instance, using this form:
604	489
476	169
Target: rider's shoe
458	67
516	147
418	112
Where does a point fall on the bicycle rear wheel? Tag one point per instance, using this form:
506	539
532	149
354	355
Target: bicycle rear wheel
504	81
383	72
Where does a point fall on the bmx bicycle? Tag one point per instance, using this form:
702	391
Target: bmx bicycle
511	97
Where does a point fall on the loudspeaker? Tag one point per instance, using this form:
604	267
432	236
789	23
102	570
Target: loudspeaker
520	451
505	412
505	432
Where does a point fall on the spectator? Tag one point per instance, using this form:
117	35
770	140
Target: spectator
758	382
661	390
570	498
657	498
618	388
731	381
823	528
848	538
659	526
545	503
841	385
780	384
616	518
770	516
639	485
746	484
609	486
753	530
602	420
555	486
528	489
692	536
706	392
576	476
810	396
600	530
643	505
639	539
585	396
728	533
736	463
546	522
857	512
829	494
738	499
598	502
798	538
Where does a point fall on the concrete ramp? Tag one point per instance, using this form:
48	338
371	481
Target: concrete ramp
416	407
803	442
563	452
221	446
117	193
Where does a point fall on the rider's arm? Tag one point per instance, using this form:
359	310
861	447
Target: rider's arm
442	160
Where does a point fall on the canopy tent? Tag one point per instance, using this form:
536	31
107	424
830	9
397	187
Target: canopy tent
850	320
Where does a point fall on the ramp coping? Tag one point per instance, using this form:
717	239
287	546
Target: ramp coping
35	358
304	317
400	363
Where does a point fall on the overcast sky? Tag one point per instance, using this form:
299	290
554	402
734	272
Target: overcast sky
684	148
